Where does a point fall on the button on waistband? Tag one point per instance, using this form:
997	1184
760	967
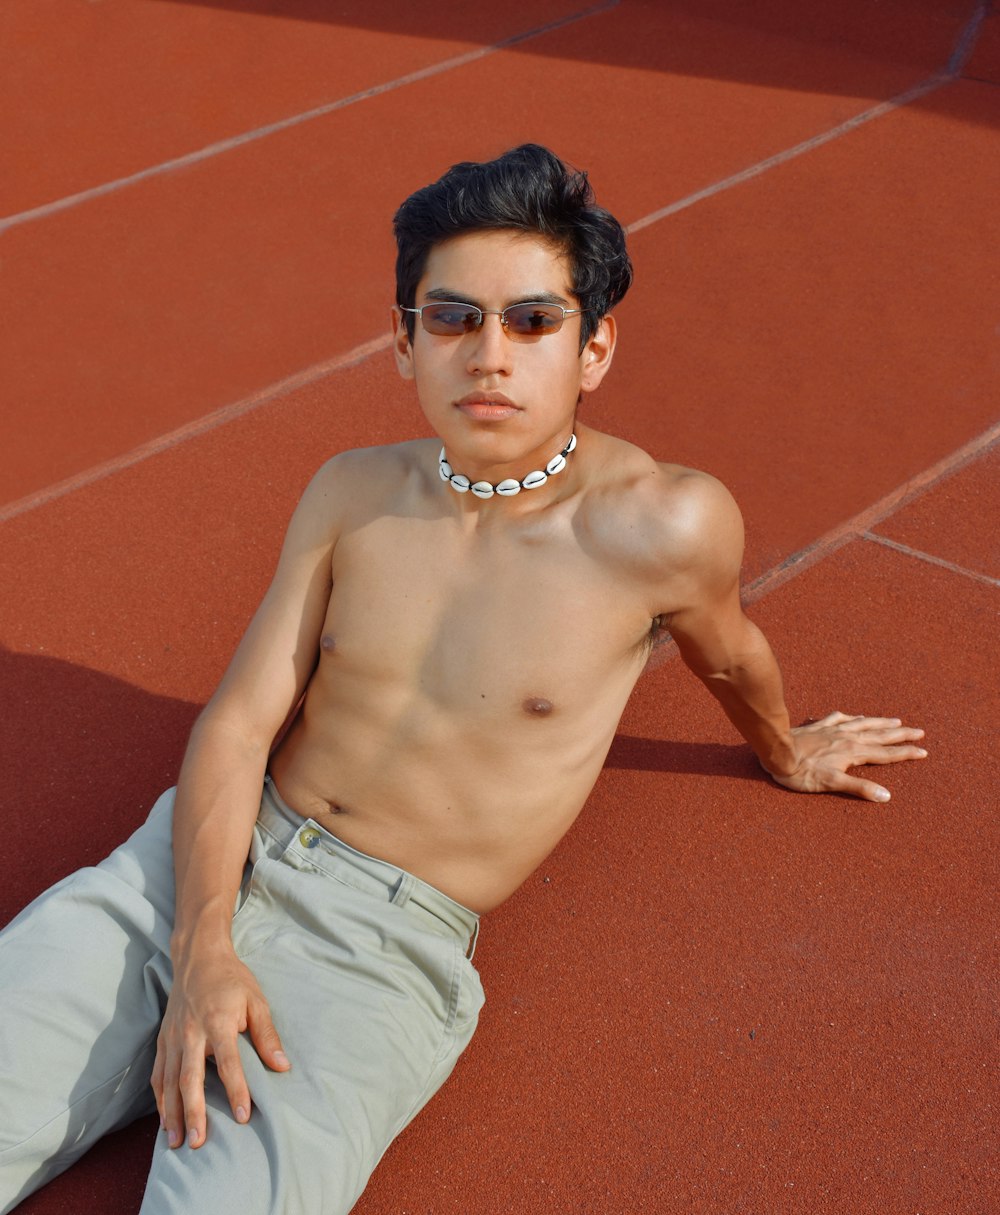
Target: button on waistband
364	872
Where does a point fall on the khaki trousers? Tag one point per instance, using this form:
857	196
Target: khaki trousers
368	974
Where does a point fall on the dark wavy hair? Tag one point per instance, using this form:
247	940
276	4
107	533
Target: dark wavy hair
530	190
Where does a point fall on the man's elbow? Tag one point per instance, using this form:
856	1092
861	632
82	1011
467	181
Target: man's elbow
227	725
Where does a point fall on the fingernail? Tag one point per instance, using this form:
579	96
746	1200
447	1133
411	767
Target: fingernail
173	1137
921	751
882	795
192	1137
281	1058
241	1113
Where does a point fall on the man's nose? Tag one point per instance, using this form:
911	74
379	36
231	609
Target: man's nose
489	348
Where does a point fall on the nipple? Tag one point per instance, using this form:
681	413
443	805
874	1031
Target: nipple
537	706
328	642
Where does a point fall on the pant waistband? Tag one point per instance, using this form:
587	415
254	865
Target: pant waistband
374	876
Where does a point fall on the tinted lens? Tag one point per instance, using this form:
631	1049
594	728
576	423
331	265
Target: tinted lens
449	319
529	320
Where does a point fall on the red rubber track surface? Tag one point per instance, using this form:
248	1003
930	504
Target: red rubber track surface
715	997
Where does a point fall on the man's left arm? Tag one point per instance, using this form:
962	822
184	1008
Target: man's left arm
732	658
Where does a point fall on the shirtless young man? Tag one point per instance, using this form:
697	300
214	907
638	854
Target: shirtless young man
454	665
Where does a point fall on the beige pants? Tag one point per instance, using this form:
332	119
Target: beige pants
368	974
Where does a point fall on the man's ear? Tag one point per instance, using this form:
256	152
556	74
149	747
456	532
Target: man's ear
402	348
598	353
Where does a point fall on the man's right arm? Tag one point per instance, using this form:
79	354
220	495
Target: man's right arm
732	658
214	996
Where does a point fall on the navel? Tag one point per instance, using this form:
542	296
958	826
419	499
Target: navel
537	706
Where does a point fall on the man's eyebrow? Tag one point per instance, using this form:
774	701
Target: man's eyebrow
448	296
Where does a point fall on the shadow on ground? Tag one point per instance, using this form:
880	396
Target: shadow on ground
83	756
775	43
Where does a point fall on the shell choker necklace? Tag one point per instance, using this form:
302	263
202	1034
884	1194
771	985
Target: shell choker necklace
508	488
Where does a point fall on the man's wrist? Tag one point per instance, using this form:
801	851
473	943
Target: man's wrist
201	939
781	760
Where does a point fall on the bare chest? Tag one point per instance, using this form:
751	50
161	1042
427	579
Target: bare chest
531	623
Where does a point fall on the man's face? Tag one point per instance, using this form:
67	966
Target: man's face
497	400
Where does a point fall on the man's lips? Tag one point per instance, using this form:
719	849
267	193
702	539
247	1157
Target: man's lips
487	405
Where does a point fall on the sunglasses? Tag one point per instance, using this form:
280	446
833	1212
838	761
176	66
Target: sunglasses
519	320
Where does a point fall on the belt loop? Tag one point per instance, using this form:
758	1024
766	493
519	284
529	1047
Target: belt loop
402	890
470	953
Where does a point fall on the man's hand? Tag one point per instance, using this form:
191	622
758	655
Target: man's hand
211	1003
826	749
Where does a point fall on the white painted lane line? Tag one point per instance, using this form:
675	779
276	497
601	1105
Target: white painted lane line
238	141
857	528
922	556
761	585
963	48
853	528
968	37
195	428
799	149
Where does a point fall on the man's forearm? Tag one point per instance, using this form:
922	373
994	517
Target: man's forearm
214	997
218	797
750	692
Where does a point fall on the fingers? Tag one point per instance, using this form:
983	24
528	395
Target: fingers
865	740
204	1020
156	1082
265	1037
178	1083
856	786
878	747
826	749
886	730
871	723
889	755
897	734
180	1098
227	1058
834	719
164	1082
230	1069
855	723
884	745
189	1110
840	781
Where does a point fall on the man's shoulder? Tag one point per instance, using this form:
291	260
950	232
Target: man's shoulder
658	497
657	514
368	473
356	484
381	460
